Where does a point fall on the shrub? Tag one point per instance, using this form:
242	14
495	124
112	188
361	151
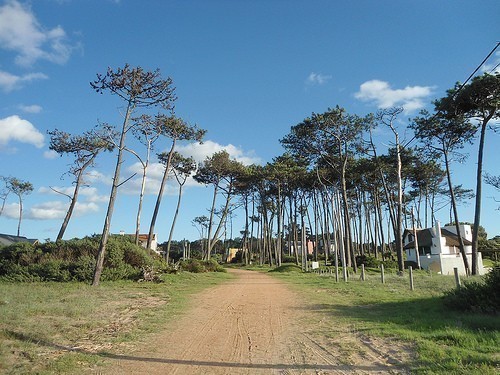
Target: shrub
199	266
287	268
390	263
368	261
213	266
51	270
75	260
191	265
83	268
288	259
479	296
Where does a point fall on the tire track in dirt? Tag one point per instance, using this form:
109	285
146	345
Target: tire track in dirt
251	325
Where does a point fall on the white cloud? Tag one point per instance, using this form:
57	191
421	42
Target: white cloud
13	128
58	209
9	82
317	78
200	151
381	94
34	108
153	180
21	33
89	193
494	67
50	154
95	176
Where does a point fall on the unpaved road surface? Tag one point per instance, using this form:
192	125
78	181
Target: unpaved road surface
255	324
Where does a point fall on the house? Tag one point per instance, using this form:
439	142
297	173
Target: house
439	250
291	247
143	240
7	239
231	254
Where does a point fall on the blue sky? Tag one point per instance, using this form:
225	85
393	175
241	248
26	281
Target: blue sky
244	70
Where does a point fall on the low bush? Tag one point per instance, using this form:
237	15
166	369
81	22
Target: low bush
199	266
74	260
481	296
284	268
368	261
288	259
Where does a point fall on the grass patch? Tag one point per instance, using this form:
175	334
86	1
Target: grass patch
446	341
48	328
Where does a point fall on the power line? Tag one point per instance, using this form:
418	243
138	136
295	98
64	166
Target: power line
463	84
478	67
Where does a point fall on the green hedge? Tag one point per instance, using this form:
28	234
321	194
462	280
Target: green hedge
74	260
482	296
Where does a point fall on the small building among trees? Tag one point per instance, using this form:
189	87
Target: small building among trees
7	239
439	250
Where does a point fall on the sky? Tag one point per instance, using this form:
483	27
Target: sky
246	71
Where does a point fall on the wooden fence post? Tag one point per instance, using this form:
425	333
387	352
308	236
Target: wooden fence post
457	277
411	278
382	276
363	276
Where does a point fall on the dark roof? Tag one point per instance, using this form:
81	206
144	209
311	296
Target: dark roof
424	237
452	238
7	239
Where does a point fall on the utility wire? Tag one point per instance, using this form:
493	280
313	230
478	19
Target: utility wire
463	85
478	67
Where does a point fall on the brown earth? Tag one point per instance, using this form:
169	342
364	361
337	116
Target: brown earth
255	324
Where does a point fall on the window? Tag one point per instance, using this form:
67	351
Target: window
423	250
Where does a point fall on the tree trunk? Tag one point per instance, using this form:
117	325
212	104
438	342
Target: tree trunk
399	216
141	195
455	214
211	221
173	222
74	199
112	198
20	216
160	195
479	184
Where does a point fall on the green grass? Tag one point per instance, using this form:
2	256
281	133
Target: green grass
39	322
446	341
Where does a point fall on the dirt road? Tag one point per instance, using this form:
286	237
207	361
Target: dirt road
256	325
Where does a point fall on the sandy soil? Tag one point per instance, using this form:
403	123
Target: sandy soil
256	325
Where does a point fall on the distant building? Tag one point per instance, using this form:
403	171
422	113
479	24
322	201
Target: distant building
143	240
7	239
291	247
438	248
231	254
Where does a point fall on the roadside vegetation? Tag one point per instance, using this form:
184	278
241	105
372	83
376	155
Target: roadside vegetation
71	327
443	337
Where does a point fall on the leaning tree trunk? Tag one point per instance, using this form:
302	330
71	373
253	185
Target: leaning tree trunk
20	216
351	257
455	214
174	221
479	184
74	199
160	195
112	198
141	199
399	215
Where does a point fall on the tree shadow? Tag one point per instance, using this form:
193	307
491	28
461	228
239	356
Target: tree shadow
210	364
466	337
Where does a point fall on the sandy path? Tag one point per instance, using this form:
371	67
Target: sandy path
252	325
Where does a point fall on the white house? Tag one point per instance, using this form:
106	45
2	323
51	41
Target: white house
143	240
439	248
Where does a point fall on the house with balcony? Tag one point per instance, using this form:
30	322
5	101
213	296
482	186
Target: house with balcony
438	248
